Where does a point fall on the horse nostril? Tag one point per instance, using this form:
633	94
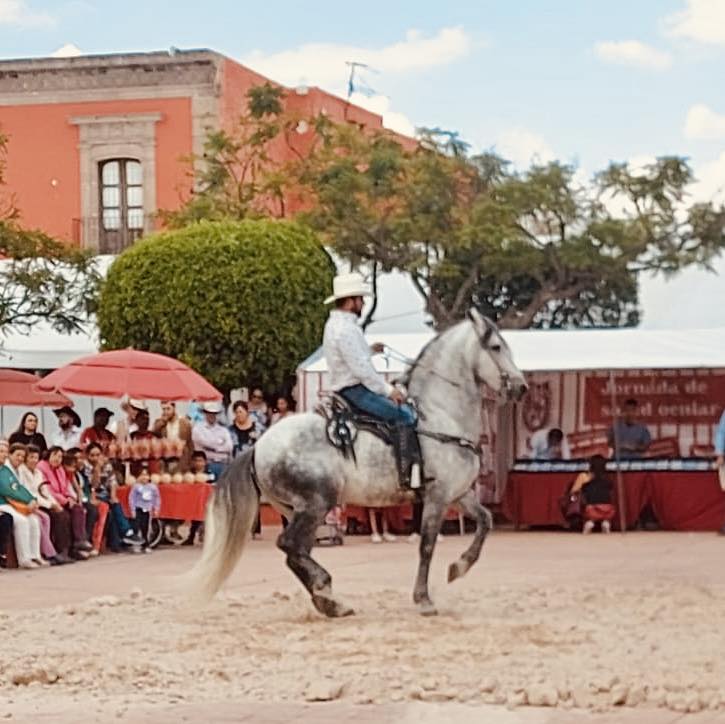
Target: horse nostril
523	389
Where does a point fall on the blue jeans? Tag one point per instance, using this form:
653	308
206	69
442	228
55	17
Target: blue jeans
378	406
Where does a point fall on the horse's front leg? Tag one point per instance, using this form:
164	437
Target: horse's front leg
470	506
433	511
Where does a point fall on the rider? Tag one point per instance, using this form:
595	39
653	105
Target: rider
353	376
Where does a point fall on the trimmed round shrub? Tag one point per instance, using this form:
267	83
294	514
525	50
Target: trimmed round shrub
239	301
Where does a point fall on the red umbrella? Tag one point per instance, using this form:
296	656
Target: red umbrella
141	375
18	388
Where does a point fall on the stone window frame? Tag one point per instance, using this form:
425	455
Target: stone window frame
106	138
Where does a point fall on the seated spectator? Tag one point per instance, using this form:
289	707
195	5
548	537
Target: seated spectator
104	484
549	445
27	433
596	489
83	491
32	479
6	521
143	433
68	526
99	431
283	409
123	428
144	503
245	429
68	434
20	504
628	438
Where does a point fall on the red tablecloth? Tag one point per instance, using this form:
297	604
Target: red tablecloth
181	502
681	500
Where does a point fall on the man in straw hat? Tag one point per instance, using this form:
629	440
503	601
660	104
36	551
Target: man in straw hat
353	376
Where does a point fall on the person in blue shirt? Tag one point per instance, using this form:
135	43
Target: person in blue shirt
720	441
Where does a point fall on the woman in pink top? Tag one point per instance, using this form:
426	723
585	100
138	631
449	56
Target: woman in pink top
67	525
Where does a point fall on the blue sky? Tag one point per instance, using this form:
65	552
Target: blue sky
583	80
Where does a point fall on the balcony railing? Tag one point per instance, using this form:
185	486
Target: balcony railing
89	233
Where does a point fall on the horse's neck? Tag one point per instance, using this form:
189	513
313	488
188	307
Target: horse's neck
443	386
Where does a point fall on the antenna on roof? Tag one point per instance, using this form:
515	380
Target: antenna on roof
354	65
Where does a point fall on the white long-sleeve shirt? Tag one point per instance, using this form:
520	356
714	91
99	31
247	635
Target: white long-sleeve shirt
348	355
214	440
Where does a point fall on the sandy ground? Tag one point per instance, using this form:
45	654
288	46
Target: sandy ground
548	627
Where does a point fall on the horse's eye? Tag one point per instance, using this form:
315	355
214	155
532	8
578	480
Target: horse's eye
496	348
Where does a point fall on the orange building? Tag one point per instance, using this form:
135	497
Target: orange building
96	143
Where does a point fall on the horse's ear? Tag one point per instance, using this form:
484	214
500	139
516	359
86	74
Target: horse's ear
482	325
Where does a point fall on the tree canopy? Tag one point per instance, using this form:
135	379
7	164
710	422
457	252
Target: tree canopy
40	278
534	248
239	301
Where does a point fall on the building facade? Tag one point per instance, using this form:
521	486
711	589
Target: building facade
97	143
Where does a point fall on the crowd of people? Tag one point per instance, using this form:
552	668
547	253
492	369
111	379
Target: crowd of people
59	500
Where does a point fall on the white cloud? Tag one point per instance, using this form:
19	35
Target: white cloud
323	64
17	12
702	123
521	147
710	183
67	51
398	122
632	52
701	20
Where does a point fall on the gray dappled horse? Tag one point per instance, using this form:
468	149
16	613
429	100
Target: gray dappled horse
303	476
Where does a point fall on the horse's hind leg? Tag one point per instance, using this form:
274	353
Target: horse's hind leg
296	541
470	506
430	527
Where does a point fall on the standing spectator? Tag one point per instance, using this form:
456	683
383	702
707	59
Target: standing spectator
549	445
32	479
375	536
172	427
258	408
27	433
628	438
143	434
144	502
245	429
99	431
68	526
20	504
68	434
283	409
123	428
213	438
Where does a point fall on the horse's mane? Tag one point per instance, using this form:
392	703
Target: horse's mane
427	347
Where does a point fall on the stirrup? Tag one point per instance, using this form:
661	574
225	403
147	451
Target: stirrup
415	480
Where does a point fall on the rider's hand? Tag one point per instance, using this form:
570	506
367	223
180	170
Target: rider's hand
377	348
396	396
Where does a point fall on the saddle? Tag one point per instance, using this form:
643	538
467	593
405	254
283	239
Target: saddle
344	421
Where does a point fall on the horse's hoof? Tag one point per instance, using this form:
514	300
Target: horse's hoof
427	608
457	570
331	608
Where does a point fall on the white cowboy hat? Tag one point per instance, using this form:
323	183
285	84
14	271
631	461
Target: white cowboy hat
138	404
212	407
348	285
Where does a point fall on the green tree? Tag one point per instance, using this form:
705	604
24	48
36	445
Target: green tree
40	278
239	301
535	248
236	177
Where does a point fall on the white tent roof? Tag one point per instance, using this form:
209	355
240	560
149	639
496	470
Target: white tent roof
44	348
590	349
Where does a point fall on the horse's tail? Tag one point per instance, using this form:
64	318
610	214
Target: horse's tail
229	520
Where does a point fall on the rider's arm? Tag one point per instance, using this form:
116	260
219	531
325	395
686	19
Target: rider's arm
356	353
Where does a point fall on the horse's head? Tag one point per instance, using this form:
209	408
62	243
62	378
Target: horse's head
493	363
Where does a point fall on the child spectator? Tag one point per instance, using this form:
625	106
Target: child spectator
144	502
596	489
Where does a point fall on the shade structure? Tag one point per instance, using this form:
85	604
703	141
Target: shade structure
18	388
141	375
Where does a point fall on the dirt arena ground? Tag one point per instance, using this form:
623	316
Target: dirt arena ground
549	627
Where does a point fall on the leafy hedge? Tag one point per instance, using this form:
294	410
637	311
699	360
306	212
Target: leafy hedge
239	301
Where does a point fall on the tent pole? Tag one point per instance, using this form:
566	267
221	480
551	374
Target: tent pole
620	479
